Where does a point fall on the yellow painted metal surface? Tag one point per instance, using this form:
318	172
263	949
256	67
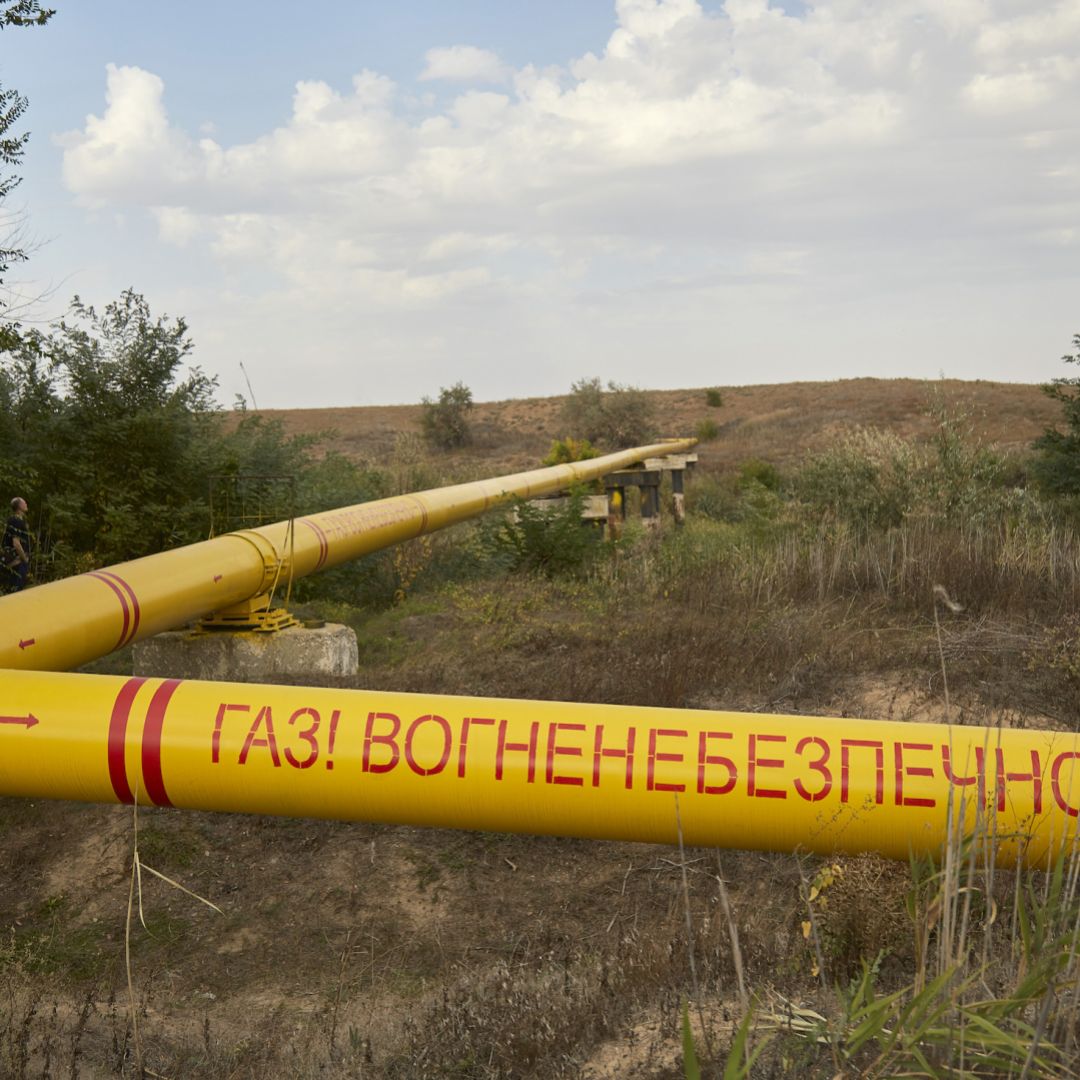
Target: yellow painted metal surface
611	772
66	623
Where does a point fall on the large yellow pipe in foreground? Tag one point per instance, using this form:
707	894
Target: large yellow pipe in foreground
67	623
611	772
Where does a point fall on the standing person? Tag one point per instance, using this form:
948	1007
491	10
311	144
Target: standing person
15	549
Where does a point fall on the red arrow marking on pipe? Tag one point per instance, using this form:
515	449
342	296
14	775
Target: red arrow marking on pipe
27	643
28	721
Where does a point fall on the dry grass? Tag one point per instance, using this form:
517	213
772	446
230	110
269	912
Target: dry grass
780	422
363	950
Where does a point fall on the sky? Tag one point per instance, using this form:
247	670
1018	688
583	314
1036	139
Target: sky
362	201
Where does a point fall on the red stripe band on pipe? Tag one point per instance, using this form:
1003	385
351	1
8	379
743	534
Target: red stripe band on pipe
135	612
117	738
324	544
123	605
151	742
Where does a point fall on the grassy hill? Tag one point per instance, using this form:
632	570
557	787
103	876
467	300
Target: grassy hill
779	422
379	951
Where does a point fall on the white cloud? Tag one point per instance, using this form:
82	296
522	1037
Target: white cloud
132	149
702	167
176	224
463	63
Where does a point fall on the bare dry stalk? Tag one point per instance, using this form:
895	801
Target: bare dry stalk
132	1009
733	933
690	931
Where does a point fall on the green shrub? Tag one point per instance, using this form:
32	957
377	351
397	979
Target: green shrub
756	509
409	466
964	481
445	423
765	473
618	416
707	430
869	478
875	479
552	539
714	398
1057	467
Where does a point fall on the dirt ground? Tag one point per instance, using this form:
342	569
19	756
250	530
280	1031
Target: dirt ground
371	950
345	950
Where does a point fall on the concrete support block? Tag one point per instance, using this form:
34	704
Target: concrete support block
247	656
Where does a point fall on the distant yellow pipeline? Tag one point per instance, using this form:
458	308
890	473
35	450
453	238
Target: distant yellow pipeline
778	783
67	623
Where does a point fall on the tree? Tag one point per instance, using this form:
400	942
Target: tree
112	437
12	147
116	426
445	422
1057	467
619	416
24	13
105	425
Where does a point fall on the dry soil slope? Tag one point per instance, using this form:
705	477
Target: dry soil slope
775	422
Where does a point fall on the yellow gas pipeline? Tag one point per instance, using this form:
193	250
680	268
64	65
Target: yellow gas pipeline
67	623
609	772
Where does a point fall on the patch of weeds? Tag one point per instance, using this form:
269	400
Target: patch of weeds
389	649
381	637
566	450
550	539
453	859
489	605
406	984
49	944
164	847
859	909
1058	652
164	928
120	662
15	812
428	873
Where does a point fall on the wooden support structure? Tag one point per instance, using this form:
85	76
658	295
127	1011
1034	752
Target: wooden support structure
647	477
594	508
677	465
